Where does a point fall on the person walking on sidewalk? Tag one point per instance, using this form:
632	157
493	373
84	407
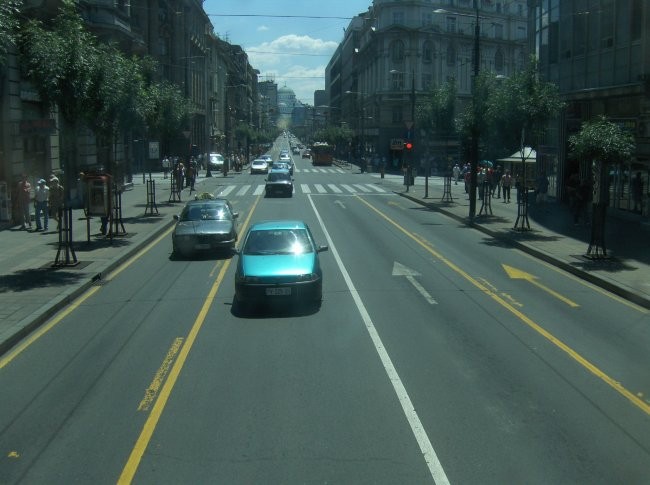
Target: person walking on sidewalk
506	183
56	200
41	198
456	173
24	201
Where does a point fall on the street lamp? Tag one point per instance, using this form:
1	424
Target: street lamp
362	136
473	162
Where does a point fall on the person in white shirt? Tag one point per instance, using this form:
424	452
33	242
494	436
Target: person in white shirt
41	198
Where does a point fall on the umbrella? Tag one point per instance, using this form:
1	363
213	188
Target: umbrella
486	163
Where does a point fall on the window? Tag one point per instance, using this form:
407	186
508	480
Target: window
427	19
397	51
397	81
427	52
398	116
498	31
451	24
427	81
398	18
451	55
498	61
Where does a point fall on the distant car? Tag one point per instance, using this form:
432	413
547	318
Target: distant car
215	161
279	166
279	182
268	158
259	166
279	261
288	160
205	224
295	151
306	154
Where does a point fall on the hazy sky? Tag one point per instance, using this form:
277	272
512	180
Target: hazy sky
291	49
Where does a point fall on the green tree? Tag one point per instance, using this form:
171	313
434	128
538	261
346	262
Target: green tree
437	113
600	143
9	22
60	62
166	111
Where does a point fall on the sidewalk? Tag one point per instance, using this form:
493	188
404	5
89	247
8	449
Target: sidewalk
552	237
32	290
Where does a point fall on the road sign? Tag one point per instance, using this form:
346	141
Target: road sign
396	143
154	150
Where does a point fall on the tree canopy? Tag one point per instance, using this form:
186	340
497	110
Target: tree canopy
601	140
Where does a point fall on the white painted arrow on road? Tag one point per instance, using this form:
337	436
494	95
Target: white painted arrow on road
340	204
410	274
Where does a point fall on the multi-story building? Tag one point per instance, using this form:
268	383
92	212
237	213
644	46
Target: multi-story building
393	54
214	76
599	57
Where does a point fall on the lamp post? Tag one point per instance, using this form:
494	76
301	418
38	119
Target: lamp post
475	134
362	138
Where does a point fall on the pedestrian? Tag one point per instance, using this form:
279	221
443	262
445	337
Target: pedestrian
41	198
542	189
456	173
165	166
24	201
498	173
637	192
506	183
190	175
583	195
56	200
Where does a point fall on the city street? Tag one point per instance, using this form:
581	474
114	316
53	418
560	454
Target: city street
439	355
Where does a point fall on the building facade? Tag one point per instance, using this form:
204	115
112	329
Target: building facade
396	52
599	57
214	76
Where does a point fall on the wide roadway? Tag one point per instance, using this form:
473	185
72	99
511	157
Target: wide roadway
437	355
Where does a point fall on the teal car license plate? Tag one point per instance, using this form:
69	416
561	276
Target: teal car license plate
278	291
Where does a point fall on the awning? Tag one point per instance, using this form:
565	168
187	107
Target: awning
529	156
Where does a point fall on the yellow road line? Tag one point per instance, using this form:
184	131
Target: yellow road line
635	400
133	462
152	391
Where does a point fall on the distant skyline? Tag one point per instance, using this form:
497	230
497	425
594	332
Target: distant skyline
281	43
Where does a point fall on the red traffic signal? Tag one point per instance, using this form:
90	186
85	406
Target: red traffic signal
408	145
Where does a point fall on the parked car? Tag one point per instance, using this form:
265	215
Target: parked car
306	154
205	224
279	182
259	166
215	161
279	261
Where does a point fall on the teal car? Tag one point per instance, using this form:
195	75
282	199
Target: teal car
278	261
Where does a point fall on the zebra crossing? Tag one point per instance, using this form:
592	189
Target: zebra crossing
320	170
239	190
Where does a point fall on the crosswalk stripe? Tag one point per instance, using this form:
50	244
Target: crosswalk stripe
348	188
227	190
320	189
305	189
258	190
334	188
375	188
243	190
362	188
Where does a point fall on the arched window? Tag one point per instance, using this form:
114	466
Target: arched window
397	51
427	51
451	55
498	61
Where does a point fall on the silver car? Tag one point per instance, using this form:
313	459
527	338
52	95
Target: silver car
207	224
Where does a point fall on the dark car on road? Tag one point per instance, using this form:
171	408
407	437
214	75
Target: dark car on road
206	224
279	182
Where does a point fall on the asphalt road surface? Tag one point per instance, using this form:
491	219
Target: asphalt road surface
436	357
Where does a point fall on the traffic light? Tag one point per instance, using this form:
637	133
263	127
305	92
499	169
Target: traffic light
408	145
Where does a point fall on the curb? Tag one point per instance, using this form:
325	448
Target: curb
43	314
603	283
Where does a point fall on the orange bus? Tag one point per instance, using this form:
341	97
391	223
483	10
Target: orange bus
322	153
